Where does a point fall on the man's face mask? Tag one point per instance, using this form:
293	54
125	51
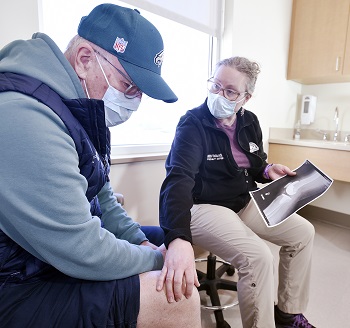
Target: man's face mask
118	108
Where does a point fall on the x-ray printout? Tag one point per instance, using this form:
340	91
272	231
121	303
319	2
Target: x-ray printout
278	200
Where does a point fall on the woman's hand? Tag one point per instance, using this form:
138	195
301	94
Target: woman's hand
178	275
278	170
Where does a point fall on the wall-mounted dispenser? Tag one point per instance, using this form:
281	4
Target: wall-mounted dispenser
308	109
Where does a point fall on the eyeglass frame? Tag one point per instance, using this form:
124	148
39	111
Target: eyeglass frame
223	89
132	84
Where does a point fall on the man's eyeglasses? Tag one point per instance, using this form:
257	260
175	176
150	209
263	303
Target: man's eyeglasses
131	90
229	94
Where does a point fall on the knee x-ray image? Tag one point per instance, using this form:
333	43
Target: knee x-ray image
286	195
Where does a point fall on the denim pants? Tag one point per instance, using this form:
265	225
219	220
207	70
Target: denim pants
237	238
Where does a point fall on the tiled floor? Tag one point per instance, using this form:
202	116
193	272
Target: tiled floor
329	305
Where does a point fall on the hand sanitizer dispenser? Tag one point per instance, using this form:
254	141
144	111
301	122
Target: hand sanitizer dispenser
308	109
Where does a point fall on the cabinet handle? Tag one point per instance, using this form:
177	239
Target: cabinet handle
337	64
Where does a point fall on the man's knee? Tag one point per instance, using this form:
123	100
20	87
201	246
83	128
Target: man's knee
194	300
186	312
155	311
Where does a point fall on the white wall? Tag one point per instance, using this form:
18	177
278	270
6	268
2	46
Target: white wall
330	96
259	30
19	19
140	183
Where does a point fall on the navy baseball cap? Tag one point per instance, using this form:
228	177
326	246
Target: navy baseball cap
136	43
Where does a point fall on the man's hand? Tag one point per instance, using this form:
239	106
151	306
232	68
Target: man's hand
179	272
147	243
162	249
278	170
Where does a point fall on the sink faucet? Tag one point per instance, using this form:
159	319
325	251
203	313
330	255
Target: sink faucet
322	132
336	119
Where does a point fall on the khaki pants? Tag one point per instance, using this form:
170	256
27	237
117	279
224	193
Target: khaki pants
236	238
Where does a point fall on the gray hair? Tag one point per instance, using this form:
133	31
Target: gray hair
245	66
76	41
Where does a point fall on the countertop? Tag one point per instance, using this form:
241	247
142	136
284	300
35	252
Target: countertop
285	136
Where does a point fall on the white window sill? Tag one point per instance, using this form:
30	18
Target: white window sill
139	153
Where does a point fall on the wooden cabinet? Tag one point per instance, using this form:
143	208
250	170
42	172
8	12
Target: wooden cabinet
334	163
319	50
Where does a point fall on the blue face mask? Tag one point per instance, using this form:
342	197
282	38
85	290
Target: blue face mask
220	107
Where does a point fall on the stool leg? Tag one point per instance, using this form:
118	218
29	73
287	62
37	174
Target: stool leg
221	324
214	297
211	282
211	267
219	316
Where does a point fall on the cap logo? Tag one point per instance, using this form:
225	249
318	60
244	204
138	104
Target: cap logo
158	59
120	45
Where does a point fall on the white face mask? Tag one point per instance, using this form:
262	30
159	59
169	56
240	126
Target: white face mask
118	108
220	107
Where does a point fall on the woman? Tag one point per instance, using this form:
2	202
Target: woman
216	158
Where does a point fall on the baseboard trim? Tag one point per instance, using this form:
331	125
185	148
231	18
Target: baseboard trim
328	216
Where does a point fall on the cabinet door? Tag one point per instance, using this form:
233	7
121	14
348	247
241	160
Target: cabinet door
317	41
294	156
346	65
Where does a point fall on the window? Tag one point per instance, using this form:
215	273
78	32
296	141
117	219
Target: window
185	69
187	59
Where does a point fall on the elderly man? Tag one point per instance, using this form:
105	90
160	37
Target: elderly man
65	262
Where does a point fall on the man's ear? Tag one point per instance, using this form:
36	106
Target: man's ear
84	57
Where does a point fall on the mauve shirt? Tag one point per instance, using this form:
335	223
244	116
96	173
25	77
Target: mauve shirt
240	158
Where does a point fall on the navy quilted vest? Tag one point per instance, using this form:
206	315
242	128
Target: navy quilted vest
85	121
